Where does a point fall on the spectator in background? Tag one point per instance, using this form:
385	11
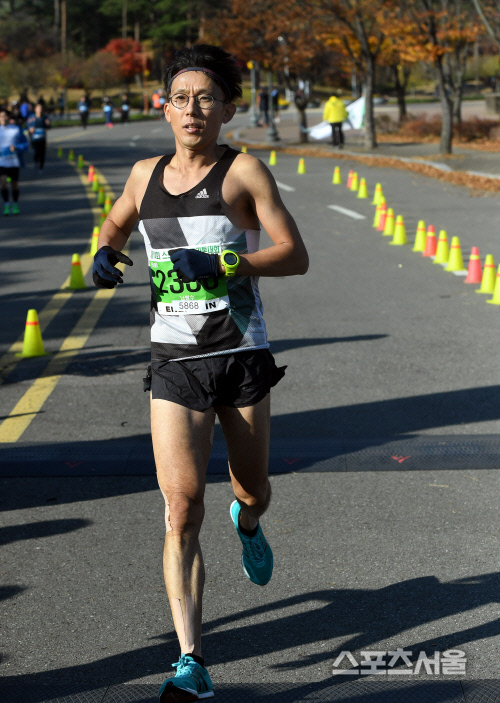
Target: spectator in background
38	124
155	101
61	103
83	110
51	108
335	113
125	108
264	105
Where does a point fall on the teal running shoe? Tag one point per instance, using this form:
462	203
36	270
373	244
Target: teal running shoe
6	209
15	209
257	557
190	683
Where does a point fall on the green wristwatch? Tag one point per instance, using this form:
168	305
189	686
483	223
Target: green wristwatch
230	261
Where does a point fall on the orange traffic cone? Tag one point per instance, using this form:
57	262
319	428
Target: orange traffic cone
430	242
474	273
382	218
90	175
349	178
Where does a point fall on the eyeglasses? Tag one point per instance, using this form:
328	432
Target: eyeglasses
180	101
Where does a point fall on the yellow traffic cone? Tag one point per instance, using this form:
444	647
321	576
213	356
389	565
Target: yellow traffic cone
272	158
399	232
60	152
443	250
33	342
496	292
420	237
377	194
76	281
71	155
363	191
389	223
455	262
488	280
302	166
95	184
80	161
101	196
354	182
337	179
108	205
102	218
93	241
244	150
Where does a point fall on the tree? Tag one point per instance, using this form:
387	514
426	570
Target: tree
128	53
102	70
280	38
448	32
358	31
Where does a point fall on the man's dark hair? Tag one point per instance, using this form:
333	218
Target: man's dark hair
213	58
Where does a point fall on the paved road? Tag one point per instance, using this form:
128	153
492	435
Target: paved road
385	449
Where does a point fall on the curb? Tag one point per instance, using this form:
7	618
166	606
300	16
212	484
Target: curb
442	172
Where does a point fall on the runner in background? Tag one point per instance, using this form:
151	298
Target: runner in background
107	108
12	144
38	124
125	109
83	110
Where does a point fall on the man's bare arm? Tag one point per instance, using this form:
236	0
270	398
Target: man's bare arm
118	226
288	255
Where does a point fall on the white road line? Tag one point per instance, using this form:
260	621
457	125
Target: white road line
349	213
136	137
284	186
157	129
132	144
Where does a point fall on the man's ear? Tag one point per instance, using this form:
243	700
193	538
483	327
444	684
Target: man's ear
229	113
166	111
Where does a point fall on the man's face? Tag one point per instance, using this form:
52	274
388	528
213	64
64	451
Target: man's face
195	127
38	110
3	118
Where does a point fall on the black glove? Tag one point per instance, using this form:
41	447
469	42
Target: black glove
104	273
193	265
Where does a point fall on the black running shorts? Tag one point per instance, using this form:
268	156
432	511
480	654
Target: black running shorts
11	172
235	380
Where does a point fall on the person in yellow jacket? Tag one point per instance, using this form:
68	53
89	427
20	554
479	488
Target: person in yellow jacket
335	113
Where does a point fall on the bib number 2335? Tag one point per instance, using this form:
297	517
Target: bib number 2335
174	297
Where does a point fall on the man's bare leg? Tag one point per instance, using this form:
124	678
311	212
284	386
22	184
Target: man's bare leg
247	434
182	440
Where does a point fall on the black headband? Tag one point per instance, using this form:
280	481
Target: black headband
203	70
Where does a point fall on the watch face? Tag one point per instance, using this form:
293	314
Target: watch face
230	259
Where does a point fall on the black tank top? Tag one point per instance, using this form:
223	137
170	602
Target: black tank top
180	327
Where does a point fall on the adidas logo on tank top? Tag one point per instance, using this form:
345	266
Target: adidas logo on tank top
202	194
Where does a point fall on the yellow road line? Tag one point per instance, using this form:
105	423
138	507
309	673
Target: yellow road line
33	400
8	361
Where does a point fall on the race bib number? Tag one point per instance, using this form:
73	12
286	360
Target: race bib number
174	297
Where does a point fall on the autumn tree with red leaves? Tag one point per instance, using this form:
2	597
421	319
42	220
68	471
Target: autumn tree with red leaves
128	53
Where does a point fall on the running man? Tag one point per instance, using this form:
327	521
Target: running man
12	143
38	124
200	212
